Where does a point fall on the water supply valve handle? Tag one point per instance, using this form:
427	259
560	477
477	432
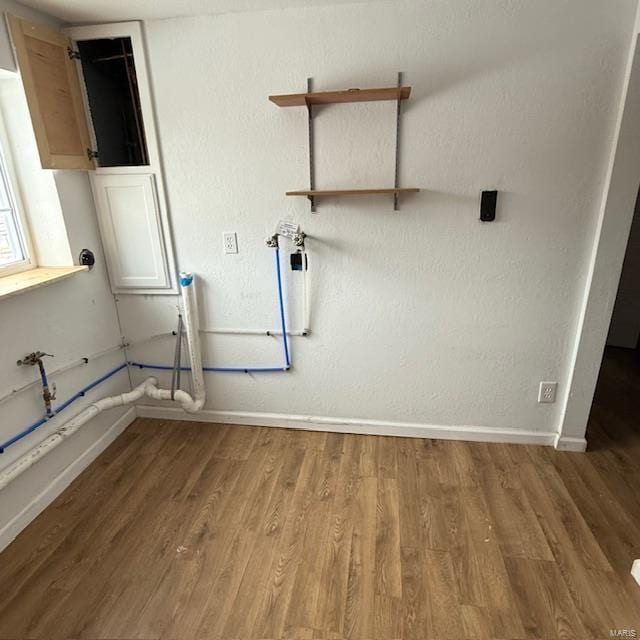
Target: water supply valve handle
31	359
272	241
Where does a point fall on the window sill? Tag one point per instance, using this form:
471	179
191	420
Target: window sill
34	278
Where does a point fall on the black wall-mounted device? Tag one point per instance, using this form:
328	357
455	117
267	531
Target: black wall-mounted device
87	258
488	202
298	261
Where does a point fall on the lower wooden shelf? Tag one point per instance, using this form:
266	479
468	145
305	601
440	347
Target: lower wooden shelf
350	192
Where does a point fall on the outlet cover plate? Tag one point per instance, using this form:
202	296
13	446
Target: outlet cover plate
547	392
230	242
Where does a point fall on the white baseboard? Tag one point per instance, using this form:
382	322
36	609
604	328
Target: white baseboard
63	480
350	425
635	571
564	443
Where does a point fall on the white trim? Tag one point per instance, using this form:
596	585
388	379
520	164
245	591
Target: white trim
10	530
565	443
352	425
635	571
607	255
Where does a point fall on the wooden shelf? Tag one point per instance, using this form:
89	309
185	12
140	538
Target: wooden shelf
34	278
348	95
350	192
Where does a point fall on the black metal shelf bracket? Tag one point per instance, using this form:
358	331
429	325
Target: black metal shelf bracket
312	167
396	182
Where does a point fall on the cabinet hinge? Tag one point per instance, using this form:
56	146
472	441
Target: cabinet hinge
73	55
91	154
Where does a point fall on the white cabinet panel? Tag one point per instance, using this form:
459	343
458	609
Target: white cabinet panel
129	218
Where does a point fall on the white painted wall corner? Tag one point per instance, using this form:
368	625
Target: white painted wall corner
566	443
9	532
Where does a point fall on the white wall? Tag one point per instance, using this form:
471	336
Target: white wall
425	315
71	319
607	255
10	6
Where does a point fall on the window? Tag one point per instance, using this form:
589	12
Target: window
14	255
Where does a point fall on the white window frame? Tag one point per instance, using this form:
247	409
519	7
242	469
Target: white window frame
15	202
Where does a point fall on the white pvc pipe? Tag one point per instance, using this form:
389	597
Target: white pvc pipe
192	326
191	322
148	388
69	428
306	305
253	332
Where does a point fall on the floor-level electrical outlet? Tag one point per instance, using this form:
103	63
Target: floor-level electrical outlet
547	392
230	240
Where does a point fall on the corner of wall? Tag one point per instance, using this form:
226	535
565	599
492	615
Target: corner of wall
10	529
607	256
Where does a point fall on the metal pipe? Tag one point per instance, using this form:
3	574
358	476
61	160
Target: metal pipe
36	425
35	359
177	360
67	367
47	396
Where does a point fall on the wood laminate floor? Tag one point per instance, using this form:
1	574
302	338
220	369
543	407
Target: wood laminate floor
190	530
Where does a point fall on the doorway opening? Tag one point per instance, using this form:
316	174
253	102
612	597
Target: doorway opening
616	403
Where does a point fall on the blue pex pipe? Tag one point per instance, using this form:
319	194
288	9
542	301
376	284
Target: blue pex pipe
285	342
185	281
166	367
283	321
61	407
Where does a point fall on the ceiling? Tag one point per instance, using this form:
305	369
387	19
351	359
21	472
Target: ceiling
118	10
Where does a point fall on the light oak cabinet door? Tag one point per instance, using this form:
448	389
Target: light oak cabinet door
53	93
129	219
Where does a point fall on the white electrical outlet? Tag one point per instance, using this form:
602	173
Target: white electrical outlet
547	392
230	240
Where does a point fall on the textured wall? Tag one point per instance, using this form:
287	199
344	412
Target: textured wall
425	315
71	319
10	6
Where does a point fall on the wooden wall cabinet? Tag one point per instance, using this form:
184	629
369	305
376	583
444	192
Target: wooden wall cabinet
101	119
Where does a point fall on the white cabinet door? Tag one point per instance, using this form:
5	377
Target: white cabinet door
129	217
